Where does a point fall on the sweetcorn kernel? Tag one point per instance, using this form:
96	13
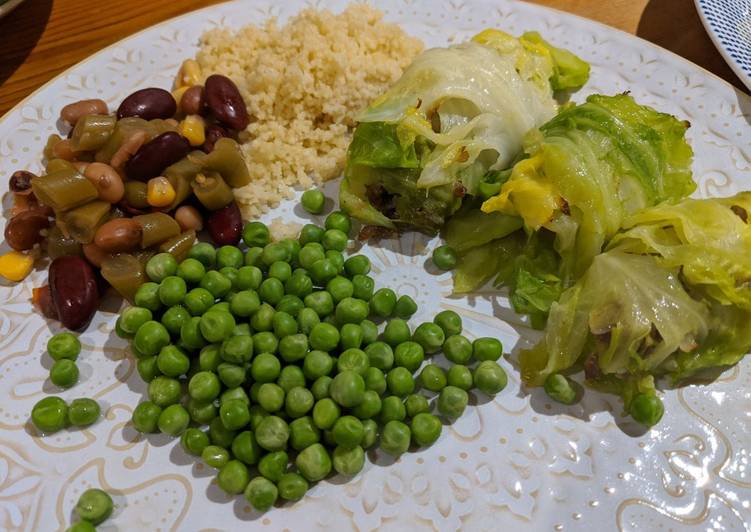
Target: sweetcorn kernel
15	266
159	192
192	128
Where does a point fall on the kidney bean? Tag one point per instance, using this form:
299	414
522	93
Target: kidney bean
108	183
213	133
225	225
118	235
25	229
148	104
74	291
72	112
189	218
225	102
20	182
192	100
156	155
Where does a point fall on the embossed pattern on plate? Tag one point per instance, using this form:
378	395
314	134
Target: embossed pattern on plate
518	460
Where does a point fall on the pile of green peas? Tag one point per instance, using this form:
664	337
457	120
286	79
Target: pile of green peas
94	506
52	413
267	359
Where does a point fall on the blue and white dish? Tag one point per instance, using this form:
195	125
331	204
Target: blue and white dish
728	23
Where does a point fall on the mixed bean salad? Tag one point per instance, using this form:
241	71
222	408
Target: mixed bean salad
268	364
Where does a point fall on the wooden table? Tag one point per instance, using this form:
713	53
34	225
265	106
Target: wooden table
41	38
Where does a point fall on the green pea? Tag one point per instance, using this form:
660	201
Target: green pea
299	284
246	449
560	389
216	283
119	331
316	364
271	397
261	493
298	402
449	321
405	307
369	407
433	378
173	420
204	253
209	358
161	266
457	349
395	438
444	257
310	233
164	391
284	325
244	303
452	401
353	359
392	408
272	433
194	441
292	487
249	278
357	265
273	465
198	301
383	302
64	373
409	355
231	375
173	319
290	304
321	302
646	409
236	349
489	377
290	377
351	310
221	306
147	368
334	239
204	386
324	337
274	252
362	287
320	387
234	414
400	381
348	460
233	477
254	257
151	337
347	389
215	456
94	505
256	234
426	429
313	201
265	368
416	404
337	259
190	334
132	319
396	332
303	433
147	296
369	332
81	526
191	271
220	434
145	417
83	412
460	376
232	394
350	336
201	412
217	325
347	431
262	320
172	361
380	355
257	414
271	291
322	271
430	337
487	349
375	380
340	288
325	413
172	290
338	220
310	254
229	256
292	248
370	433
307	318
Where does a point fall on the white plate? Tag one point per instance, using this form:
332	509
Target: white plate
728	23
518	460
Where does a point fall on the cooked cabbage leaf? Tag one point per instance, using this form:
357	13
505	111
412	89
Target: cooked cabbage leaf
669	297
457	114
590	167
